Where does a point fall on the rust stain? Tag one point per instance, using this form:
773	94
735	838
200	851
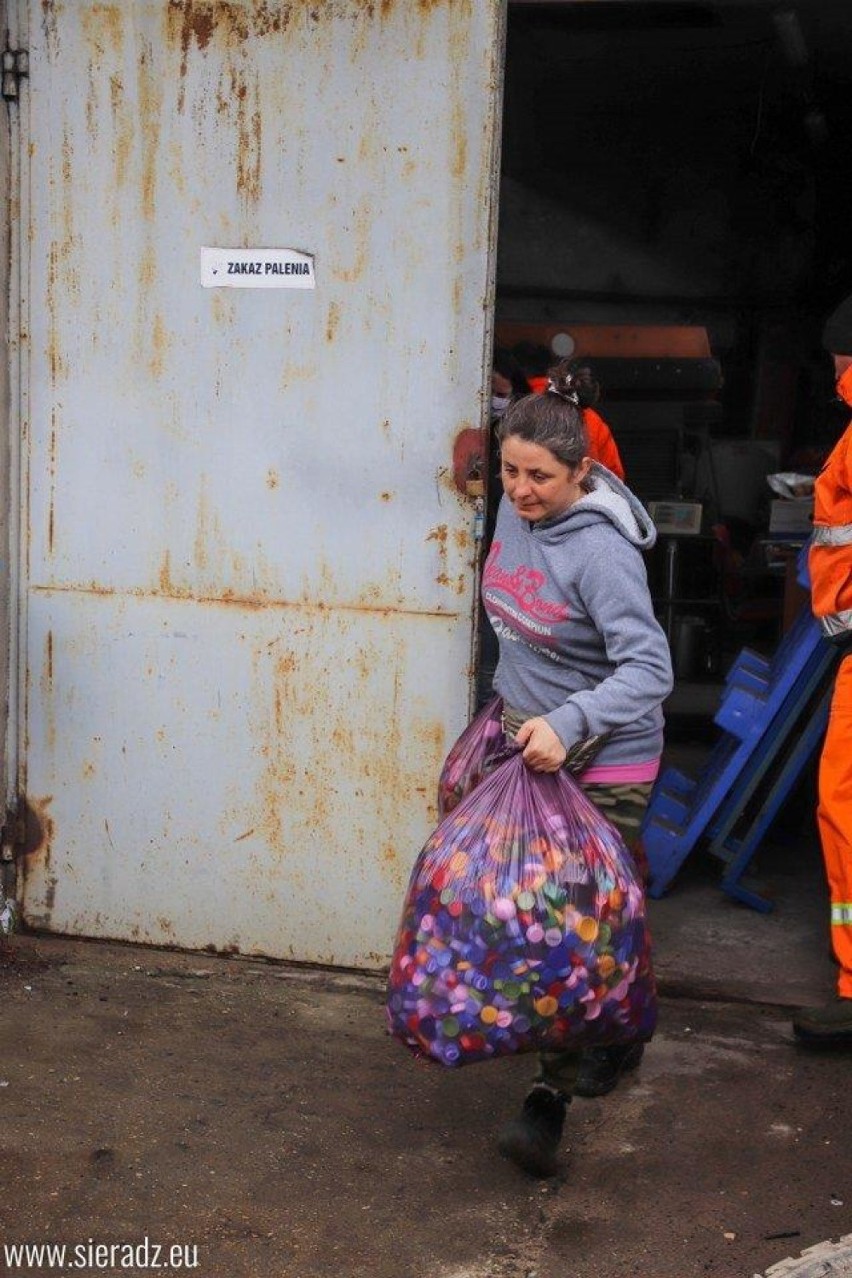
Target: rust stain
149	111
280	771
56	253
123	130
272	478
360	743
231	23
52	450
458	139
148	266
223	310
92	109
439	534
67	177
458	296
160	345
188	23
88	770
359	238
249	138
49	657
386	496
432	736
110	18
102	26
202	529
332	321
343	739
177	171
38	834
231	599
166	585
292	372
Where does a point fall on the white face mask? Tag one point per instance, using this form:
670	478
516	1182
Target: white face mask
499	404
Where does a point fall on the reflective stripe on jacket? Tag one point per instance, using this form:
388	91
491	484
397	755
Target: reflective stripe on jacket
830	554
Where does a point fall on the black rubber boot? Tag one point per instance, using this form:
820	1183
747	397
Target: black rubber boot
532	1139
602	1067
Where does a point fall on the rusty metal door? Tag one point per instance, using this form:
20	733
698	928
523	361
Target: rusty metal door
247	578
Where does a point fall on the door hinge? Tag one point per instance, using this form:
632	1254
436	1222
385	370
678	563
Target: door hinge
16	65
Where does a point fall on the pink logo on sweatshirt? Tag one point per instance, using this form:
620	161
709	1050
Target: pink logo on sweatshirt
523	584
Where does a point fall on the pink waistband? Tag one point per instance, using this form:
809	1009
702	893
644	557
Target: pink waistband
621	773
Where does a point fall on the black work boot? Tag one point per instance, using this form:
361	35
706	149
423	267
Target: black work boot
829	1026
602	1067
532	1139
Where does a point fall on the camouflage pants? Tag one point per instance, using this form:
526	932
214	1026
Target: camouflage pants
624	806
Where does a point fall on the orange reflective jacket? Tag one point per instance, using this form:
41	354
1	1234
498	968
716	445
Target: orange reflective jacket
830	554
602	446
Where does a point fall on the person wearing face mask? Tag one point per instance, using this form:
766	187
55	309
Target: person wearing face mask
508	381
501	395
583	670
830	568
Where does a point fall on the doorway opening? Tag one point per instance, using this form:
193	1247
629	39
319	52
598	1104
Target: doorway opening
674	200
674	204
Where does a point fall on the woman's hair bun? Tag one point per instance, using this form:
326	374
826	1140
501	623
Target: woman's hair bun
573	383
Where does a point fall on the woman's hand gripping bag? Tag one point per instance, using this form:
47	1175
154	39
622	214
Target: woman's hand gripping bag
523	928
468	760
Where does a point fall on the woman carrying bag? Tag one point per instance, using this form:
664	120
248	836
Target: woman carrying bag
583	669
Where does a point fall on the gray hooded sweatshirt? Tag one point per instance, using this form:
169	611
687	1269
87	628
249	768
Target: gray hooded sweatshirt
579	644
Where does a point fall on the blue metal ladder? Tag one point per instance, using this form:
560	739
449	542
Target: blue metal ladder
737	850
763	702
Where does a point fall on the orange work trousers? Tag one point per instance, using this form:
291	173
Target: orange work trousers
834	818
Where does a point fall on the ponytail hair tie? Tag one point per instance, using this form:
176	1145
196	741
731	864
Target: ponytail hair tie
570	396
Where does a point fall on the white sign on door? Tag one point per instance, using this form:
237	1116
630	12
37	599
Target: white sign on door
256	268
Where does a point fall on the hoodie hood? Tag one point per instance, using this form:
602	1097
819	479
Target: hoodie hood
610	501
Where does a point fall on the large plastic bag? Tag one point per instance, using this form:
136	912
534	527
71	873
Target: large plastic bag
467	762
523	928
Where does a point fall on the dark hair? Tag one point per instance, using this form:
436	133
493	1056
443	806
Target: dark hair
504	363
587	385
552	420
533	357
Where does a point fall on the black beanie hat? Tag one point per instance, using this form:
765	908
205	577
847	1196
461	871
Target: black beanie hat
837	334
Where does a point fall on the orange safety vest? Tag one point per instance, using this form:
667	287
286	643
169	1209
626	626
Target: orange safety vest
830	565
830	553
602	446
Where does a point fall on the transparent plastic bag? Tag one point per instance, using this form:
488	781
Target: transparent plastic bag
467	762
523	928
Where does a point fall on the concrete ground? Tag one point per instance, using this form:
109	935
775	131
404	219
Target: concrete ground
260	1114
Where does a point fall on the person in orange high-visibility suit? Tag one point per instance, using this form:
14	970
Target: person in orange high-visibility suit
602	446
830	566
